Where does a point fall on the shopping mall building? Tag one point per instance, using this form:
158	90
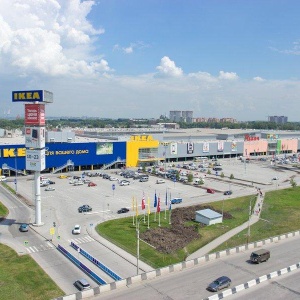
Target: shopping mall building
92	150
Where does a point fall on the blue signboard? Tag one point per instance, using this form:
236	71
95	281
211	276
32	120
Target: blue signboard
113	186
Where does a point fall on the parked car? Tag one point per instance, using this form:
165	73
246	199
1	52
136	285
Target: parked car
210	191
123	210
51	182
62	176
144	179
84	208
227	192
76	229
79	182
124	182
92	184
219	284
113	178
49	188
82	284
158	181
24	227
217	169
275	178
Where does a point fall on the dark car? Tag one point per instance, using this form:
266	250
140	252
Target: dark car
210	191
82	284
84	208
217	169
51	182
24	227
228	193
123	210
219	284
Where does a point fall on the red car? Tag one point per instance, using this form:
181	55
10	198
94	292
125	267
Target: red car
211	191
92	184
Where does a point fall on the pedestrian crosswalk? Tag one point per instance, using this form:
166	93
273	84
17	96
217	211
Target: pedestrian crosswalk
82	240
40	248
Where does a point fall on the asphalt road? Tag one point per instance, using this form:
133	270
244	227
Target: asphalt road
192	283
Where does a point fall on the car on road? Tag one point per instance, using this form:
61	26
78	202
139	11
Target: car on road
159	181
210	191
228	193
82	284
84	208
176	200
49	188
275	178
113	178
144	179
62	176
217	169
219	284
123	210
124	182
76	229
92	184
51	182
24	227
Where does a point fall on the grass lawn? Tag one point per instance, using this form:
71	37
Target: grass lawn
280	214
22	278
122	232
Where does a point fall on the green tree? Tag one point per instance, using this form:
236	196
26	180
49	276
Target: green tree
208	171
222	175
293	182
190	177
231	176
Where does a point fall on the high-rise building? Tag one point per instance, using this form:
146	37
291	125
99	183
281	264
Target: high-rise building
187	116
175	115
181	116
278	119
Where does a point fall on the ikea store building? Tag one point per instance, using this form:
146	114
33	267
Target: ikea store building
86	150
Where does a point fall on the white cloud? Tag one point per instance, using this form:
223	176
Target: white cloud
228	75
294	50
128	50
50	37
167	67
257	78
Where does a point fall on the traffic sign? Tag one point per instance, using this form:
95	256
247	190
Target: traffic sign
52	230
113	186
26	243
58	237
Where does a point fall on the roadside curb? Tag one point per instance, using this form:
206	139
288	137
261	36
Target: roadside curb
254	282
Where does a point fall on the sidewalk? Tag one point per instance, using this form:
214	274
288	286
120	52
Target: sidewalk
223	238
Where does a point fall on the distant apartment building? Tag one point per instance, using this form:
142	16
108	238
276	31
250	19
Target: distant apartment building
200	120
181	116
228	120
278	119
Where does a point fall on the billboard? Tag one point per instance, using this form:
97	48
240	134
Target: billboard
35	159
35	137
32	96
105	148
220	146
233	146
205	148
173	148
35	114
190	148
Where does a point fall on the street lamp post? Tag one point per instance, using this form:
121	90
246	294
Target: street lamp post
16	171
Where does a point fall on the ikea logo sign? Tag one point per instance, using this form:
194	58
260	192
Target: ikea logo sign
32	96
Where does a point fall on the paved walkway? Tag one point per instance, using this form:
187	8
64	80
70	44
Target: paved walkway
226	236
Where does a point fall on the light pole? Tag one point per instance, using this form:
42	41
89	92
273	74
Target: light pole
16	171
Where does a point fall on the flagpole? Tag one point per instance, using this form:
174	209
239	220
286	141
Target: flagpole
166	202
133	210
148	211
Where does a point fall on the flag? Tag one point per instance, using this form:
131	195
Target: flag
143	202
133	204
158	205
155	200
170	205
148	205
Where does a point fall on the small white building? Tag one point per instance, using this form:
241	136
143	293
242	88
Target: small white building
208	217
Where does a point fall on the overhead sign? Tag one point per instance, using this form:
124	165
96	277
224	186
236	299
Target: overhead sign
32	96
35	114
35	159
35	137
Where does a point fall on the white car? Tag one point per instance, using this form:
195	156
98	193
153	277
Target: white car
79	182
124	182
76	229
275	178
49	188
113	178
158	181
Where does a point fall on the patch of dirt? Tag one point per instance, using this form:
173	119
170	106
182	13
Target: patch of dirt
168	240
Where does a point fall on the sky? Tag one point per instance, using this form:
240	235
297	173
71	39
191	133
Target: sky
143	58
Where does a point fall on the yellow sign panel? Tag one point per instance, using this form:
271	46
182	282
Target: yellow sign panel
52	230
